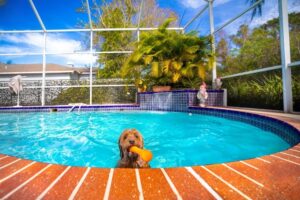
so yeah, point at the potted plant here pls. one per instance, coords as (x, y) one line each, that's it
(141, 85)
(160, 84)
(164, 57)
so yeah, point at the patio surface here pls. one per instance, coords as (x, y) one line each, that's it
(275, 176)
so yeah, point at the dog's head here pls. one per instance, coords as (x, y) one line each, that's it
(129, 138)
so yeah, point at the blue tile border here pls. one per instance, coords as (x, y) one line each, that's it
(65, 108)
(69, 106)
(283, 129)
(182, 91)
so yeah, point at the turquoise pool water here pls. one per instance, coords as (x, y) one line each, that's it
(90, 138)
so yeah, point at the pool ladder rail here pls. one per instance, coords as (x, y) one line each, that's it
(74, 106)
(79, 107)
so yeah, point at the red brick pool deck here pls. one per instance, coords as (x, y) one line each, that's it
(275, 176)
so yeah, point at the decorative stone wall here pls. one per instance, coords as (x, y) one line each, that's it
(32, 92)
(178, 100)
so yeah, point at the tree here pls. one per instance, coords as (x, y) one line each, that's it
(258, 8)
(120, 14)
(242, 35)
(222, 50)
(260, 47)
(167, 57)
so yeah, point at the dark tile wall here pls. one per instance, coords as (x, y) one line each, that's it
(215, 98)
(177, 100)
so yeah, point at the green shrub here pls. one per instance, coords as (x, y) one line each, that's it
(101, 95)
(261, 91)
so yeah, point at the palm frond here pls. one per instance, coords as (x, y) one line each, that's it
(201, 72)
(155, 72)
(257, 9)
(176, 76)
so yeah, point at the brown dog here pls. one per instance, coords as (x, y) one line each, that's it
(129, 138)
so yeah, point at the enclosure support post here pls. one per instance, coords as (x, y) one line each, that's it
(225, 97)
(44, 70)
(285, 56)
(44, 50)
(91, 68)
(213, 48)
(196, 17)
(139, 20)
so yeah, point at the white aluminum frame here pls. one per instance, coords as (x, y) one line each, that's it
(213, 46)
(88, 30)
(196, 16)
(253, 72)
(238, 16)
(294, 64)
(63, 53)
(139, 20)
(285, 56)
(284, 48)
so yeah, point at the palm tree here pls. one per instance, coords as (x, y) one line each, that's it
(257, 9)
(166, 56)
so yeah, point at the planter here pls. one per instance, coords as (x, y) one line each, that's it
(161, 88)
(141, 90)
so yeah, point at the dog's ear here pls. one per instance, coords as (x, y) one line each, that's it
(120, 148)
(142, 140)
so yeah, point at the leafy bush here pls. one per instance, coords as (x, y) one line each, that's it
(165, 57)
(102, 95)
(261, 91)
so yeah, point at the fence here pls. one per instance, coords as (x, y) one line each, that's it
(63, 92)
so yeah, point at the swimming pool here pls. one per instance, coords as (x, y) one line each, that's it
(175, 138)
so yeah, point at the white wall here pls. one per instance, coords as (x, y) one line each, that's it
(86, 76)
(52, 76)
(37, 77)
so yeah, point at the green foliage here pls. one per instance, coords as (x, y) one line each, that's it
(100, 95)
(121, 14)
(257, 48)
(166, 57)
(296, 88)
(191, 83)
(258, 8)
(72, 95)
(261, 91)
(115, 14)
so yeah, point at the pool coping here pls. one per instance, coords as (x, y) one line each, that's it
(274, 176)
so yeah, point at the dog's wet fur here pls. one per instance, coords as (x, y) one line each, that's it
(129, 138)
